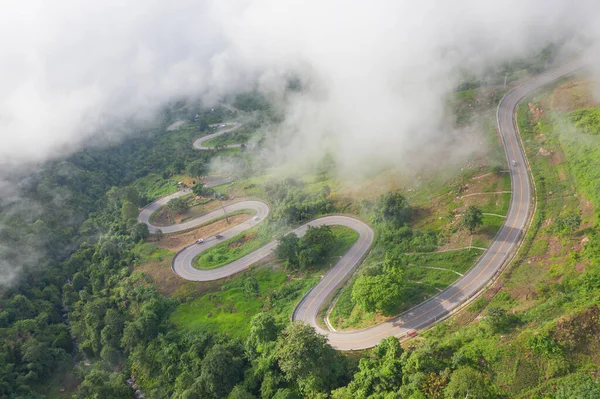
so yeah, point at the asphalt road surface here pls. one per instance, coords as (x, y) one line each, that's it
(148, 210)
(491, 262)
(230, 127)
(423, 315)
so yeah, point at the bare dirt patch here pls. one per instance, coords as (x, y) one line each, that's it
(163, 218)
(536, 112)
(587, 213)
(162, 276)
(373, 187)
(170, 284)
(554, 246)
(580, 266)
(174, 242)
(575, 94)
(243, 240)
(544, 152)
(557, 158)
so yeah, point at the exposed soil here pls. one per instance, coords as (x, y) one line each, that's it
(554, 246)
(580, 266)
(537, 112)
(243, 240)
(575, 94)
(175, 242)
(373, 187)
(168, 283)
(557, 158)
(162, 217)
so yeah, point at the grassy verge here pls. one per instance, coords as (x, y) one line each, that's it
(197, 207)
(233, 249)
(427, 275)
(147, 251)
(238, 136)
(153, 186)
(547, 290)
(230, 309)
(251, 240)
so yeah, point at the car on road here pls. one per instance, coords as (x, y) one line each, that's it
(514, 163)
(199, 241)
(256, 218)
(219, 236)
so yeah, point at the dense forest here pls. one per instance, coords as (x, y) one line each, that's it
(79, 307)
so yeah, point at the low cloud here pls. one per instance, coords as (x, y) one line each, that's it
(376, 76)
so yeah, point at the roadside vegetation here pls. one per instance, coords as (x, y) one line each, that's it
(233, 249)
(269, 288)
(102, 305)
(241, 135)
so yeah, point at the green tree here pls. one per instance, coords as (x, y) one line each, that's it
(222, 369)
(197, 168)
(577, 386)
(99, 384)
(471, 218)
(286, 393)
(319, 238)
(239, 392)
(128, 211)
(543, 344)
(177, 205)
(139, 231)
(393, 208)
(433, 385)
(117, 195)
(379, 373)
(382, 291)
(468, 383)
(373, 293)
(177, 166)
(287, 249)
(305, 358)
(263, 331)
(200, 190)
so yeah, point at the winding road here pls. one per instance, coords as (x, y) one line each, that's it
(423, 315)
(230, 127)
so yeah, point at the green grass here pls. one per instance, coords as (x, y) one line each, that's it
(497, 204)
(459, 261)
(230, 309)
(146, 251)
(422, 283)
(237, 136)
(232, 249)
(588, 120)
(251, 240)
(153, 186)
(552, 285)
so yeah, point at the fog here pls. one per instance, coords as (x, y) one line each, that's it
(376, 76)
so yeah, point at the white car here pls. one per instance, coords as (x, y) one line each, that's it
(256, 218)
(514, 163)
(200, 241)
